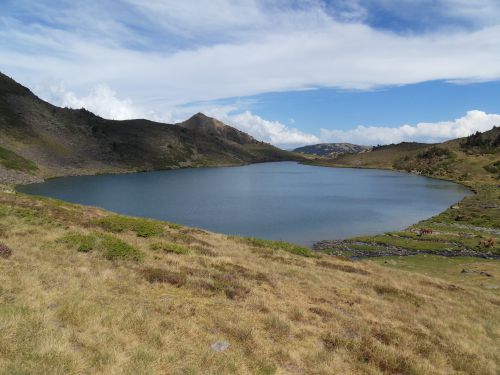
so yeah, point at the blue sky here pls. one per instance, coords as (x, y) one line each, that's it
(288, 72)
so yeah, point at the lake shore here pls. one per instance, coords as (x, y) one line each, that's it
(468, 227)
(318, 202)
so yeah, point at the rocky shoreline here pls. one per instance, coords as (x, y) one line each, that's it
(12, 177)
(345, 248)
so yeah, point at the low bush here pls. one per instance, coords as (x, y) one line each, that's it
(169, 247)
(110, 246)
(435, 152)
(82, 242)
(160, 275)
(5, 251)
(493, 167)
(278, 245)
(142, 227)
(114, 248)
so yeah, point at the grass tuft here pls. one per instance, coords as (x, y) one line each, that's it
(169, 247)
(142, 227)
(277, 245)
(110, 246)
(82, 242)
(277, 327)
(160, 275)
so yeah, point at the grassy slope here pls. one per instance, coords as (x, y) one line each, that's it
(39, 140)
(13, 161)
(85, 291)
(457, 230)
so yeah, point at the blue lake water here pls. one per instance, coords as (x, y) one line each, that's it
(282, 201)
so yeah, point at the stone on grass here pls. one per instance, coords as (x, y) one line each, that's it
(220, 346)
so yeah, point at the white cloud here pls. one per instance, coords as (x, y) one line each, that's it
(160, 55)
(428, 132)
(238, 51)
(103, 101)
(268, 131)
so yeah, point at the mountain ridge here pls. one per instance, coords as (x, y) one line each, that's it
(332, 149)
(64, 141)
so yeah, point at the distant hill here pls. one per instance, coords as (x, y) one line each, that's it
(449, 159)
(332, 149)
(39, 140)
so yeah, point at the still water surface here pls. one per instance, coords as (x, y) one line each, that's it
(282, 201)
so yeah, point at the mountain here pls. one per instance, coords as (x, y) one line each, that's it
(39, 140)
(332, 149)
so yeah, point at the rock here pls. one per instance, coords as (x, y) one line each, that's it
(485, 274)
(455, 207)
(220, 346)
(465, 270)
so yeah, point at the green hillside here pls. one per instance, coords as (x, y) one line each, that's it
(39, 140)
(471, 227)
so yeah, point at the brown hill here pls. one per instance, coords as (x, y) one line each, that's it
(39, 140)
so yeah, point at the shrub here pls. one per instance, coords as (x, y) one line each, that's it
(169, 247)
(493, 167)
(114, 248)
(278, 245)
(82, 242)
(5, 251)
(142, 227)
(435, 152)
(110, 246)
(487, 142)
(160, 275)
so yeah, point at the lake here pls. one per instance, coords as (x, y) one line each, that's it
(282, 201)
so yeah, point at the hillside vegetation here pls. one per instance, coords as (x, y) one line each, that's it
(39, 140)
(86, 291)
(471, 227)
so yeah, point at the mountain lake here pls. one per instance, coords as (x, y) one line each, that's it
(281, 201)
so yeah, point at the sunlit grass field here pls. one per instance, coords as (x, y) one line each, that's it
(87, 291)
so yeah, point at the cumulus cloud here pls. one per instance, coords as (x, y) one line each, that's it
(268, 131)
(427, 132)
(103, 101)
(160, 55)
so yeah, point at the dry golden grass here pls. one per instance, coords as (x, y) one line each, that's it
(65, 311)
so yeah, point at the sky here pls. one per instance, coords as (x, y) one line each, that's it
(290, 72)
